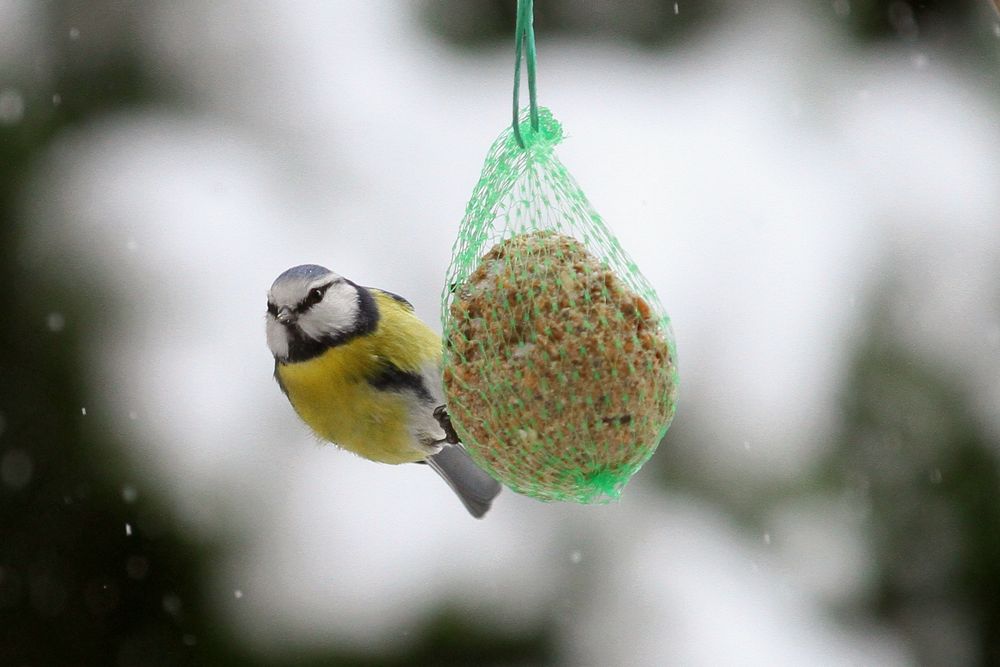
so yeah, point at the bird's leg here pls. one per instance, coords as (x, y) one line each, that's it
(444, 419)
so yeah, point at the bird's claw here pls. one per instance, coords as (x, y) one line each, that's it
(444, 419)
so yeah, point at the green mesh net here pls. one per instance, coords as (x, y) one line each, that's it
(559, 364)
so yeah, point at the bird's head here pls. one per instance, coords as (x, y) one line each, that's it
(311, 308)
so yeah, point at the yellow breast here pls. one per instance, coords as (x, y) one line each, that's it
(332, 394)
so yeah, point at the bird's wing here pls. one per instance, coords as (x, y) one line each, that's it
(408, 354)
(393, 296)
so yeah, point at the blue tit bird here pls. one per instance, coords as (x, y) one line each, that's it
(364, 372)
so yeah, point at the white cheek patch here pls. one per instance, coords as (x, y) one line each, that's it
(277, 338)
(337, 313)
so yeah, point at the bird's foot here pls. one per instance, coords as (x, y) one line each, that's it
(444, 419)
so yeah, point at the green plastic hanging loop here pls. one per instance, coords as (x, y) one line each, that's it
(524, 39)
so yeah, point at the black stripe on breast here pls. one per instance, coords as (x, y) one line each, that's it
(392, 378)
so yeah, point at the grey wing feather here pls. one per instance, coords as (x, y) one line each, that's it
(474, 487)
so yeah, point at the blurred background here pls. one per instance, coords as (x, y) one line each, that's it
(812, 187)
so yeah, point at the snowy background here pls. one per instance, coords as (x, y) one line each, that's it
(772, 179)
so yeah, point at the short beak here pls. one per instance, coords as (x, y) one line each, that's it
(285, 315)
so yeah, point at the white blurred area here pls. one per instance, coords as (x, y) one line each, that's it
(763, 177)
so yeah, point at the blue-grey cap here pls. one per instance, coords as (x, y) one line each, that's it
(303, 272)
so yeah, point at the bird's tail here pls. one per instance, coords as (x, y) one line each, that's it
(475, 488)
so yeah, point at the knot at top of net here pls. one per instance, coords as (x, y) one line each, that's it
(541, 139)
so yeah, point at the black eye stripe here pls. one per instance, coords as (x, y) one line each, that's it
(315, 296)
(271, 308)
